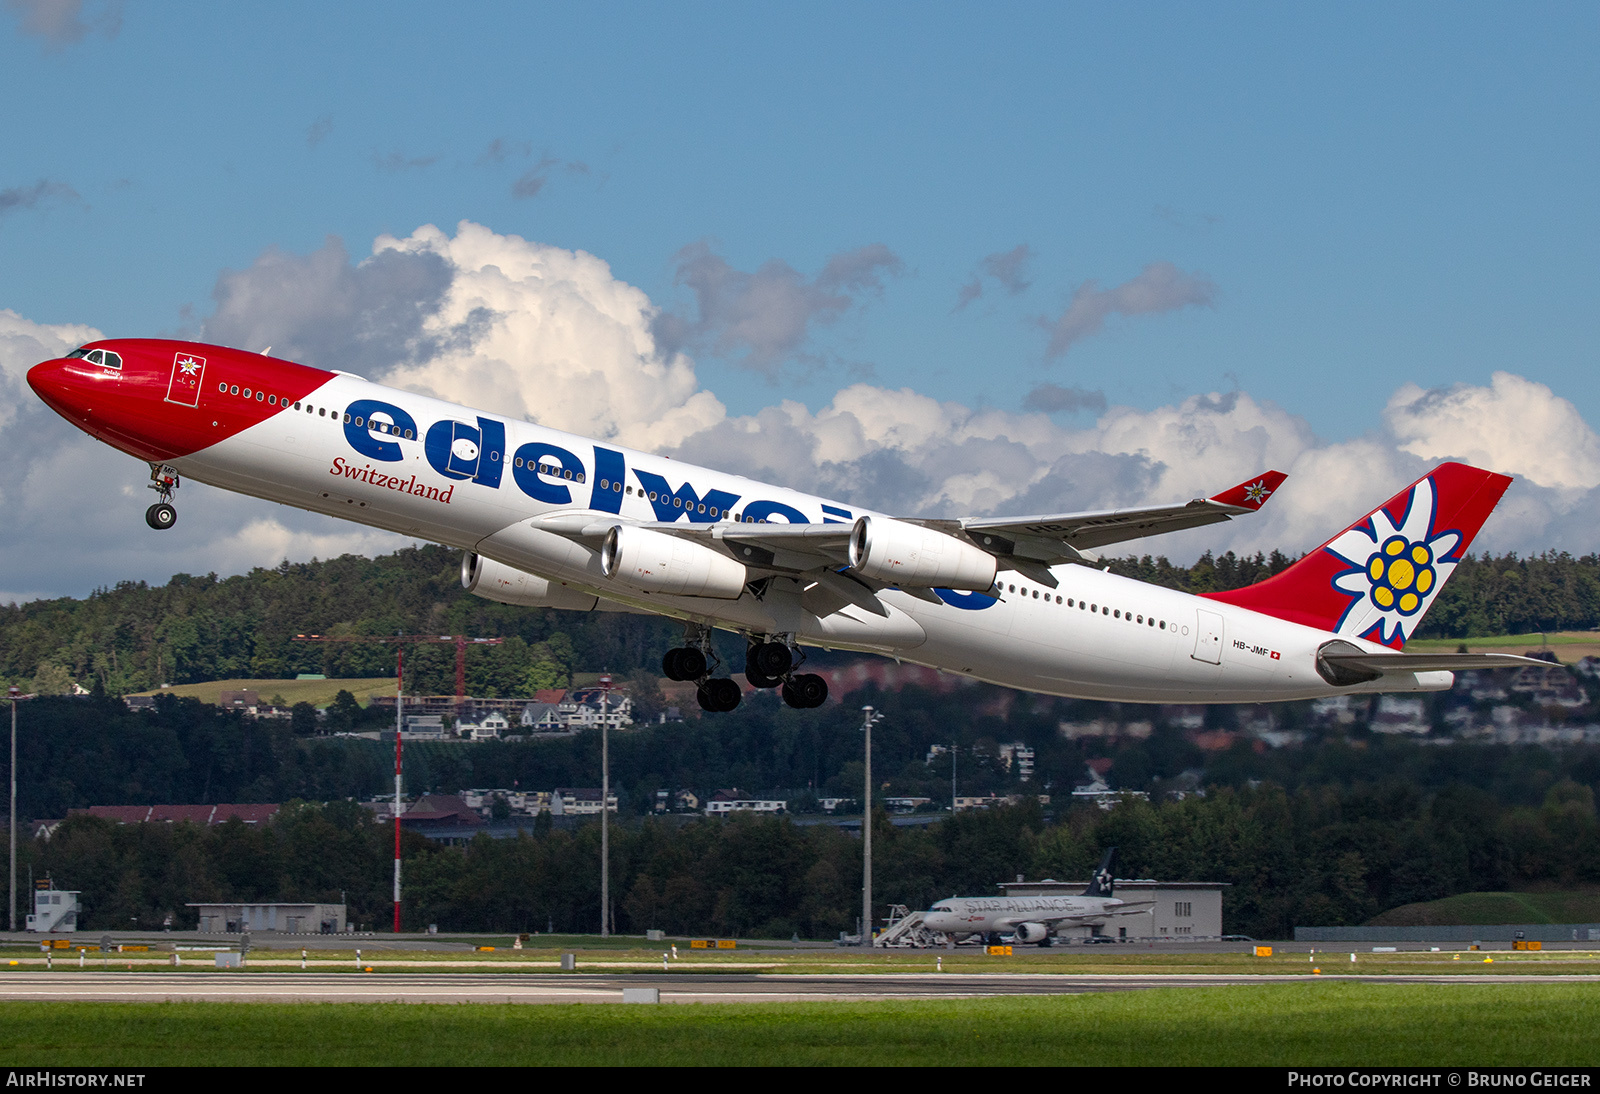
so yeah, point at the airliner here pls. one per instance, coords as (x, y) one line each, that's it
(553, 520)
(1033, 920)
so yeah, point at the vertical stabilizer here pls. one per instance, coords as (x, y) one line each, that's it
(1378, 578)
(1103, 882)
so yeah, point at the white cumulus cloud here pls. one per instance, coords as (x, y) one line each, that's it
(1515, 425)
(534, 331)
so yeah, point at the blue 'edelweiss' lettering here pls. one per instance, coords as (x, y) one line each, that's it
(558, 464)
(670, 505)
(459, 451)
(766, 510)
(359, 426)
(609, 471)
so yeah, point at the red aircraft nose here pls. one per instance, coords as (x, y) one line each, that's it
(52, 381)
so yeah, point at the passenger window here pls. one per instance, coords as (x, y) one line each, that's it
(223, 388)
(234, 390)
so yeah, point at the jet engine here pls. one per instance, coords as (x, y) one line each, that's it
(508, 585)
(658, 563)
(1030, 933)
(898, 553)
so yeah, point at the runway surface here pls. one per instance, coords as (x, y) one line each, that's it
(316, 987)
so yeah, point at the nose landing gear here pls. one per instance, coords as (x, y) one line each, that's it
(163, 480)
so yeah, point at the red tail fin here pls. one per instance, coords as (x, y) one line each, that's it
(1378, 578)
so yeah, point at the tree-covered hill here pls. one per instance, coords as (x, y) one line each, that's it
(136, 636)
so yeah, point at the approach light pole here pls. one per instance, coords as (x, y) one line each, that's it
(14, 693)
(868, 718)
(399, 726)
(605, 798)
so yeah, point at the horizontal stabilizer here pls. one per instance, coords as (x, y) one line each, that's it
(1342, 664)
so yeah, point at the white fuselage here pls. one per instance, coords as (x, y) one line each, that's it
(1095, 635)
(961, 916)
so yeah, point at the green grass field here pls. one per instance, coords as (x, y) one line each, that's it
(318, 693)
(1568, 646)
(1313, 1024)
(1467, 909)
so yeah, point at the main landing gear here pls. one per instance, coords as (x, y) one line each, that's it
(771, 664)
(163, 480)
(696, 660)
(767, 664)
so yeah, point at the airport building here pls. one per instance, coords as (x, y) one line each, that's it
(282, 916)
(1182, 911)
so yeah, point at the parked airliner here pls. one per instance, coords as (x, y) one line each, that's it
(1033, 920)
(549, 519)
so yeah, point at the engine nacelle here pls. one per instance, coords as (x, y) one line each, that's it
(508, 585)
(658, 563)
(1030, 933)
(898, 553)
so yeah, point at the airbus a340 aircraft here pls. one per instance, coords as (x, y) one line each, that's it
(548, 519)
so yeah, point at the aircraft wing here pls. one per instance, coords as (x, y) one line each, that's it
(1066, 537)
(1027, 544)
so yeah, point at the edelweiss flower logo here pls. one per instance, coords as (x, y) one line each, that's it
(1396, 569)
(1257, 492)
(189, 366)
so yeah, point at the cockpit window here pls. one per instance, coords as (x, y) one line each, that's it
(77, 353)
(101, 357)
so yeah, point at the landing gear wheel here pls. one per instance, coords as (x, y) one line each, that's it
(754, 678)
(805, 691)
(770, 659)
(161, 516)
(683, 663)
(719, 696)
(691, 662)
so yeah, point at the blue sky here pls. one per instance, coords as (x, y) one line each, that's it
(1309, 205)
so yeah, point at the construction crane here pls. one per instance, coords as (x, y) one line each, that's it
(460, 641)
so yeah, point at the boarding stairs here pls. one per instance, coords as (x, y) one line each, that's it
(905, 931)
